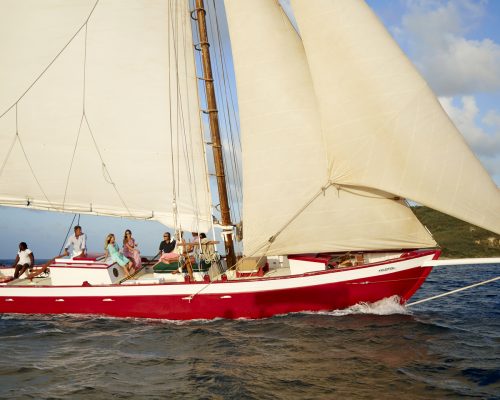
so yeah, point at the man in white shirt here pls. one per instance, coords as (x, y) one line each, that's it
(24, 260)
(77, 242)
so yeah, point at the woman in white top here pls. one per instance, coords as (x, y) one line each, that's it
(24, 260)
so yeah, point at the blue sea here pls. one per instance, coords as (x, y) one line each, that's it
(447, 348)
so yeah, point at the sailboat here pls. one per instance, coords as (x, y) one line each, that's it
(100, 114)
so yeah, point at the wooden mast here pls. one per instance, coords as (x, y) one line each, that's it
(214, 131)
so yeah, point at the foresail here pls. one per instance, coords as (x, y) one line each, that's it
(112, 126)
(289, 204)
(383, 126)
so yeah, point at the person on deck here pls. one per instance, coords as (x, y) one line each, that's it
(111, 249)
(183, 249)
(77, 242)
(130, 249)
(207, 253)
(24, 260)
(167, 247)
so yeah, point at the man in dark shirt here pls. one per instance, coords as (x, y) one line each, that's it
(167, 246)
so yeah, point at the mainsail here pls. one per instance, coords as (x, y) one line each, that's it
(112, 126)
(290, 204)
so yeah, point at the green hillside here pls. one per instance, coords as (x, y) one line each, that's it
(458, 238)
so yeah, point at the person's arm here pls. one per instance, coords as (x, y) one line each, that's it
(84, 244)
(66, 247)
(16, 261)
(32, 259)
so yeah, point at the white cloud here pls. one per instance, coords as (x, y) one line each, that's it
(492, 118)
(452, 64)
(466, 117)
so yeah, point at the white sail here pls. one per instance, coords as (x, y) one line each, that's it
(285, 165)
(138, 147)
(383, 126)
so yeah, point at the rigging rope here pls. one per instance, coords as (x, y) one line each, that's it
(453, 291)
(232, 164)
(67, 233)
(270, 240)
(84, 116)
(53, 60)
(28, 162)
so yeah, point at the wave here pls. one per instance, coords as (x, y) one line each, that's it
(388, 306)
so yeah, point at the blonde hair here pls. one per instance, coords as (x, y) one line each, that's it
(106, 241)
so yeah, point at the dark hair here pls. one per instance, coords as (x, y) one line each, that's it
(77, 227)
(202, 236)
(23, 245)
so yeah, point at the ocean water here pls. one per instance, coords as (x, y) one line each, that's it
(448, 348)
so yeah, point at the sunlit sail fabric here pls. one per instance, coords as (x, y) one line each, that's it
(383, 126)
(285, 164)
(137, 151)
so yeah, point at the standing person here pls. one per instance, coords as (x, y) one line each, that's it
(111, 249)
(24, 260)
(130, 250)
(77, 242)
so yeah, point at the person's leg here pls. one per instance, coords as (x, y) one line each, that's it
(16, 272)
(128, 268)
(20, 269)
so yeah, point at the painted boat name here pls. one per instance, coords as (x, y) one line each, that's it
(386, 269)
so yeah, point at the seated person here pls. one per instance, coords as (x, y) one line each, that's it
(130, 249)
(111, 249)
(77, 242)
(24, 260)
(167, 247)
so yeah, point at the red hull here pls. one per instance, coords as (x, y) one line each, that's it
(221, 303)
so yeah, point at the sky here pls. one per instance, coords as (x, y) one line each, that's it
(455, 45)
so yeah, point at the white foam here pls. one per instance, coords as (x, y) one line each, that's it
(387, 306)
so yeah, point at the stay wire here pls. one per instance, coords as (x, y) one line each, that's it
(67, 233)
(204, 105)
(453, 291)
(229, 99)
(230, 165)
(172, 156)
(267, 245)
(187, 136)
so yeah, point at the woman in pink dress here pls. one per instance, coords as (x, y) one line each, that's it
(130, 249)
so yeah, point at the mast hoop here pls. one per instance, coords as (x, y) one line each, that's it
(198, 45)
(192, 13)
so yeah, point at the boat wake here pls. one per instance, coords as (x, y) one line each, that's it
(388, 306)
